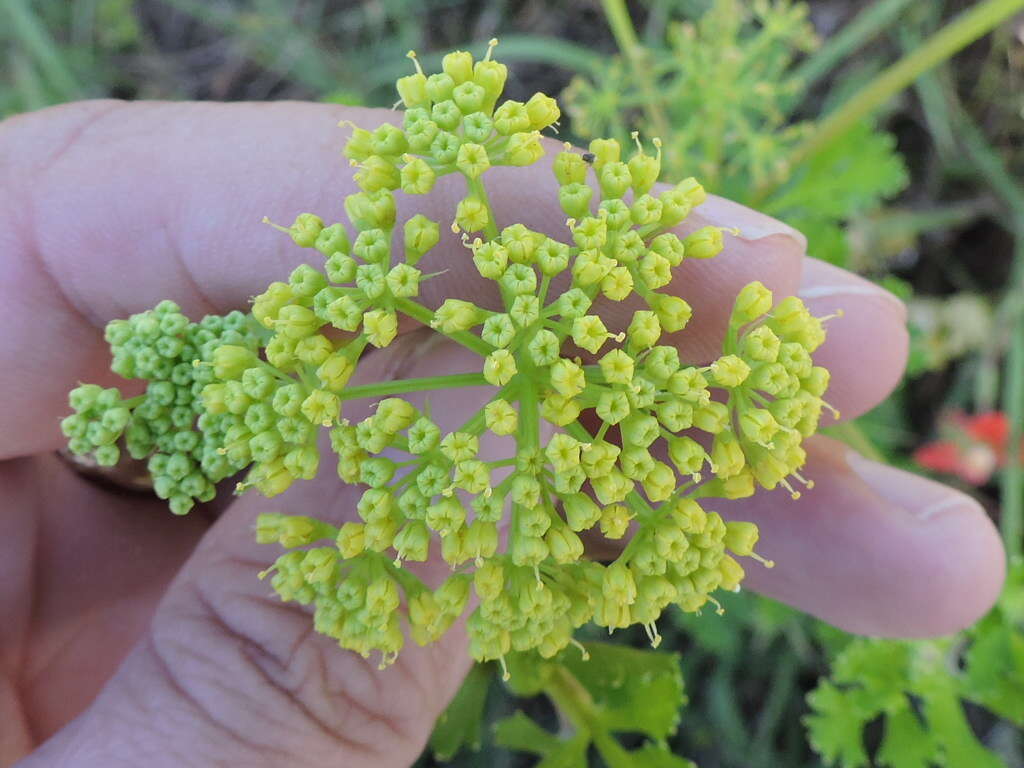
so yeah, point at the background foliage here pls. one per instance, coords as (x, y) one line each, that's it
(922, 195)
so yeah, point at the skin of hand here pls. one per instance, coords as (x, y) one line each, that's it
(131, 637)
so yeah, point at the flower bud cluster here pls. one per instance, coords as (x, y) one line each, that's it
(168, 424)
(640, 437)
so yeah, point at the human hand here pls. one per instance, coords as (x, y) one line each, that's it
(133, 637)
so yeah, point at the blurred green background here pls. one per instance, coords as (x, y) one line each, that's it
(921, 192)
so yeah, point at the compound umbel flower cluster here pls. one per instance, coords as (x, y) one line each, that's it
(639, 436)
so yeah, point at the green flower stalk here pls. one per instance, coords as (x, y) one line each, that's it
(665, 437)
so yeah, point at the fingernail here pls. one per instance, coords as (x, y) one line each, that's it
(829, 284)
(751, 224)
(920, 497)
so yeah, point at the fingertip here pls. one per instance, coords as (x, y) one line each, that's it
(957, 552)
(867, 341)
(875, 550)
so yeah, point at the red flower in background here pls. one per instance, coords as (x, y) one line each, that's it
(972, 447)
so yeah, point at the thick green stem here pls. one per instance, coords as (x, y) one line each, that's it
(422, 314)
(399, 386)
(963, 30)
(528, 437)
(872, 20)
(617, 14)
(478, 190)
(1011, 193)
(576, 703)
(1011, 521)
(29, 30)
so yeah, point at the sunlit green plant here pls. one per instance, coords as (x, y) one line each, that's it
(725, 93)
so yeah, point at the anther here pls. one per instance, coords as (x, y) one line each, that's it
(584, 653)
(504, 669)
(416, 62)
(762, 561)
(278, 227)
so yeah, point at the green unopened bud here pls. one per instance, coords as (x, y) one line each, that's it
(552, 257)
(729, 371)
(490, 259)
(543, 347)
(692, 190)
(615, 521)
(332, 239)
(589, 333)
(388, 140)
(417, 177)
(564, 545)
(712, 417)
(359, 145)
(618, 285)
(469, 97)
(758, 425)
(472, 215)
(543, 111)
(644, 330)
(705, 243)
(477, 127)
(816, 382)
(423, 436)
(727, 454)
(500, 417)
(670, 247)
(523, 149)
(381, 327)
(458, 65)
(741, 537)
(574, 198)
(403, 280)
(615, 179)
(605, 151)
(377, 173)
(321, 407)
(567, 378)
(645, 210)
(412, 89)
(525, 309)
(371, 210)
(498, 330)
(490, 76)
(489, 580)
(761, 345)
(570, 168)
(644, 169)
(618, 585)
(455, 315)
(413, 541)
(421, 234)
(617, 367)
(581, 512)
(472, 160)
(521, 243)
(655, 271)
(753, 301)
(230, 361)
(499, 367)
